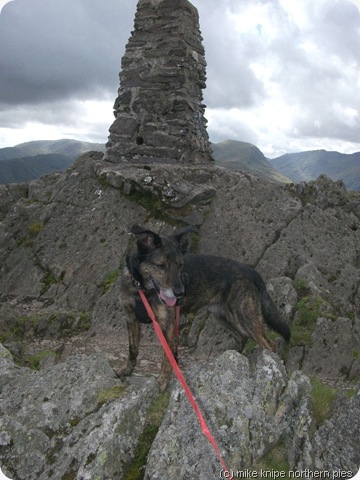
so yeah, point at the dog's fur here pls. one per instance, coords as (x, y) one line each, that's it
(160, 266)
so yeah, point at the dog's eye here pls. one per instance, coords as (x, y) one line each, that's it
(161, 265)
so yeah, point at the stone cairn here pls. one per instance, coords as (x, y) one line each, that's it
(159, 110)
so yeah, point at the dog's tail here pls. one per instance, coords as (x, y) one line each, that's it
(272, 317)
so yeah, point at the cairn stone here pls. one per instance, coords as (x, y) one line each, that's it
(159, 110)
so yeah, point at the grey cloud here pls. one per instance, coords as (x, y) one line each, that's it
(326, 125)
(338, 29)
(231, 82)
(51, 50)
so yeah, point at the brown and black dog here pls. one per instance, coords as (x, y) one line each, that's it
(160, 266)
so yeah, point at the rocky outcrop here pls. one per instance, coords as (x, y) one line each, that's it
(252, 407)
(159, 111)
(74, 420)
(62, 240)
(84, 423)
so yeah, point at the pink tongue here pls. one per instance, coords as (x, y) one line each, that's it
(170, 302)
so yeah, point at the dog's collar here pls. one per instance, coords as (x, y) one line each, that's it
(135, 282)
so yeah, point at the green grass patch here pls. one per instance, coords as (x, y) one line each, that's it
(274, 461)
(48, 281)
(111, 394)
(35, 228)
(302, 287)
(308, 310)
(155, 415)
(112, 277)
(61, 324)
(34, 361)
(322, 398)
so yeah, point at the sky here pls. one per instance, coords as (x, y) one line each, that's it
(281, 74)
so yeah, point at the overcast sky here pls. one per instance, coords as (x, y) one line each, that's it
(282, 74)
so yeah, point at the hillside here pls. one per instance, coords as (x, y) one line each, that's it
(70, 148)
(24, 169)
(245, 157)
(305, 166)
(30, 160)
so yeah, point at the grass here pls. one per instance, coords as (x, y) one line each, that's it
(308, 310)
(35, 228)
(110, 394)
(112, 277)
(34, 361)
(47, 281)
(155, 415)
(274, 461)
(39, 326)
(301, 286)
(322, 398)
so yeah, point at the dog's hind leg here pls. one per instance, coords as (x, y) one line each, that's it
(247, 318)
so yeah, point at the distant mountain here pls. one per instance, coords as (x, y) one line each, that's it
(18, 170)
(245, 157)
(309, 165)
(30, 160)
(70, 148)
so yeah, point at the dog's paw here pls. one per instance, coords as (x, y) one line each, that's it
(163, 381)
(124, 370)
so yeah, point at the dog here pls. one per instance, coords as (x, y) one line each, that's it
(169, 276)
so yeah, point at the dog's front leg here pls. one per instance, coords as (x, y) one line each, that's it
(134, 331)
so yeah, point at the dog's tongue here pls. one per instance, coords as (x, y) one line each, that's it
(170, 302)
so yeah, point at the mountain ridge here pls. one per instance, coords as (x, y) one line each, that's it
(30, 160)
(16, 161)
(308, 165)
(69, 147)
(246, 157)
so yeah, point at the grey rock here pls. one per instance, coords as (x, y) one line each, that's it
(337, 440)
(283, 293)
(335, 346)
(246, 218)
(9, 195)
(174, 187)
(249, 409)
(210, 337)
(313, 278)
(56, 396)
(103, 444)
(61, 411)
(325, 240)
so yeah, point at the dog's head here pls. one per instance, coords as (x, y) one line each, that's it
(158, 262)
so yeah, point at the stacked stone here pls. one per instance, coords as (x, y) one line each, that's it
(159, 110)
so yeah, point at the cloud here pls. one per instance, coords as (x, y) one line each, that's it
(304, 56)
(53, 50)
(283, 75)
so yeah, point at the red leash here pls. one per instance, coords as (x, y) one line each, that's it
(182, 380)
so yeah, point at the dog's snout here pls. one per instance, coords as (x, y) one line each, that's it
(179, 292)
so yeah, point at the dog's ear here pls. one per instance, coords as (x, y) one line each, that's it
(182, 237)
(146, 239)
